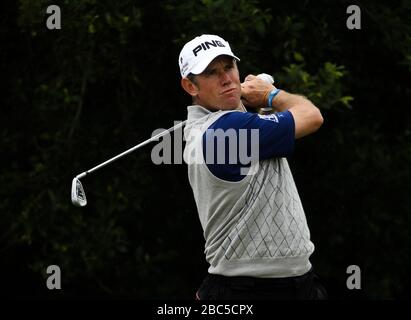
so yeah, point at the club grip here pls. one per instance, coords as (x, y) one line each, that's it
(270, 79)
(266, 77)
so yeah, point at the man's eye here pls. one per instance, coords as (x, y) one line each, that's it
(210, 72)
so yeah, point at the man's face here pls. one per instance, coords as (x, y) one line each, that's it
(219, 86)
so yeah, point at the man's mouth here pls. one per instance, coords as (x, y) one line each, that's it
(228, 91)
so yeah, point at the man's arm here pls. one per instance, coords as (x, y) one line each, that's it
(307, 117)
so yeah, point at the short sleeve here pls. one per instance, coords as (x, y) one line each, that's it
(274, 135)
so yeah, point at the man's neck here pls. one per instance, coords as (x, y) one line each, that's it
(239, 108)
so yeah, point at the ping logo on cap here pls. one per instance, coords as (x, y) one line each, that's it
(206, 45)
(197, 54)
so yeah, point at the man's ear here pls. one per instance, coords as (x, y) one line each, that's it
(190, 87)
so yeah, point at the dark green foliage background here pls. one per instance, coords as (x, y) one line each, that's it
(74, 97)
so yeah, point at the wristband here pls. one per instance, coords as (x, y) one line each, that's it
(271, 96)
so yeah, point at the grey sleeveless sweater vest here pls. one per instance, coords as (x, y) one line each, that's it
(255, 227)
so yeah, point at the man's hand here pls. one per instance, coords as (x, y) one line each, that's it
(307, 117)
(255, 91)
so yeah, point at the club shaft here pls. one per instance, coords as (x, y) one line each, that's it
(157, 136)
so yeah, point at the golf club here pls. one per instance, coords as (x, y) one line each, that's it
(267, 78)
(78, 196)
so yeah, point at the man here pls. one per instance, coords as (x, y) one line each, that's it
(257, 241)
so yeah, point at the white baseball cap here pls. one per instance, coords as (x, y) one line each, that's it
(197, 54)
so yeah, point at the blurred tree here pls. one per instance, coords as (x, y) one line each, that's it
(77, 96)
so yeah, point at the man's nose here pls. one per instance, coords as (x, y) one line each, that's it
(225, 78)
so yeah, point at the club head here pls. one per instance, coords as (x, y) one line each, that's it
(78, 196)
